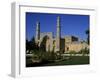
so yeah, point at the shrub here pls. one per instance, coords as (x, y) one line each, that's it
(72, 52)
(84, 51)
(44, 56)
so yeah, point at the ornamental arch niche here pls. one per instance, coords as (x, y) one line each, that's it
(45, 43)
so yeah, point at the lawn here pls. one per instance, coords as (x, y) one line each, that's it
(73, 60)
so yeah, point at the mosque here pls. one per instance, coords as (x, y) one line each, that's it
(65, 44)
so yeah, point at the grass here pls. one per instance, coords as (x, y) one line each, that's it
(73, 60)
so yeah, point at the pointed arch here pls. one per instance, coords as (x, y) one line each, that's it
(43, 44)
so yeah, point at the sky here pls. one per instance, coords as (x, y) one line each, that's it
(71, 24)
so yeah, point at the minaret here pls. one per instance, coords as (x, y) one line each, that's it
(58, 34)
(37, 32)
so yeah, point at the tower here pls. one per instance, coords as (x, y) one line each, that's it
(37, 32)
(58, 34)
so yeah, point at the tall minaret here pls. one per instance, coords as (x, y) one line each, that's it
(37, 32)
(58, 34)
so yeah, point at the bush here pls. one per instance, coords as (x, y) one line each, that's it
(72, 52)
(44, 56)
(84, 51)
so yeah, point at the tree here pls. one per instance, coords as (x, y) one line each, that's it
(31, 45)
(87, 33)
(27, 46)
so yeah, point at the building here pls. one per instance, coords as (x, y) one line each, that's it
(66, 44)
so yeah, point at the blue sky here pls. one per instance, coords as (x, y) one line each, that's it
(70, 24)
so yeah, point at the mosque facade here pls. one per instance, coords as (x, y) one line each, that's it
(48, 42)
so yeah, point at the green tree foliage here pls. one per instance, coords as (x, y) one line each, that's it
(28, 46)
(87, 33)
(84, 51)
(44, 56)
(31, 45)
